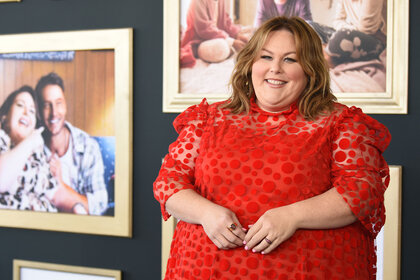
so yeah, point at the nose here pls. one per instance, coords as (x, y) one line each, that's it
(276, 66)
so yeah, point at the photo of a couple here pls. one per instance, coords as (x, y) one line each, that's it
(48, 162)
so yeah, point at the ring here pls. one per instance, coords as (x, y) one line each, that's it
(268, 240)
(232, 226)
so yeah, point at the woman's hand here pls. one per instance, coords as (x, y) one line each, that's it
(223, 228)
(273, 228)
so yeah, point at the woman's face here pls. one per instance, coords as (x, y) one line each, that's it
(21, 119)
(277, 77)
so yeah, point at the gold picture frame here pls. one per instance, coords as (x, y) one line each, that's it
(119, 42)
(392, 101)
(31, 270)
(390, 235)
(2, 1)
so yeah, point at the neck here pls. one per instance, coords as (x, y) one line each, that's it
(59, 143)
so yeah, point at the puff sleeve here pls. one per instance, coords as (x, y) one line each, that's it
(177, 171)
(359, 172)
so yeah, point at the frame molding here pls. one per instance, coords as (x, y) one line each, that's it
(121, 41)
(393, 101)
(19, 264)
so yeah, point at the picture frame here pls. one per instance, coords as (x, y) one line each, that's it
(393, 100)
(2, 1)
(31, 270)
(119, 43)
(388, 240)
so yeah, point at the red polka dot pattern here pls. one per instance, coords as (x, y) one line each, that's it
(254, 162)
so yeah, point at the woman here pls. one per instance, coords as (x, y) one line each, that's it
(25, 179)
(287, 182)
(267, 9)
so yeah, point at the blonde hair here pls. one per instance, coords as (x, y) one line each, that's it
(315, 98)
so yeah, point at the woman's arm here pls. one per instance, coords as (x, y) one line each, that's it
(13, 161)
(324, 211)
(189, 206)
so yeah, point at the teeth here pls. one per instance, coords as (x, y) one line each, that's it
(275, 82)
(23, 121)
(54, 121)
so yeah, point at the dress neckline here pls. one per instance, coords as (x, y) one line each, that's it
(256, 108)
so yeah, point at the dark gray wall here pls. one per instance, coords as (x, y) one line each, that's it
(139, 257)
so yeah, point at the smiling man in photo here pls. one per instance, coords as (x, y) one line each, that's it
(75, 157)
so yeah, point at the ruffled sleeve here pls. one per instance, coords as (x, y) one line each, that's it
(177, 171)
(359, 172)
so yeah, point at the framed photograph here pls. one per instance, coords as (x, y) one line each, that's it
(193, 69)
(92, 71)
(1, 1)
(30, 270)
(388, 241)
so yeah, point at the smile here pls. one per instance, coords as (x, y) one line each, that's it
(24, 122)
(275, 82)
(54, 121)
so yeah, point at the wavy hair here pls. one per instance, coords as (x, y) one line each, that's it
(316, 98)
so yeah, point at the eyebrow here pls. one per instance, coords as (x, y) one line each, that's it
(292, 52)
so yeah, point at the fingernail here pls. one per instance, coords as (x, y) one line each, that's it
(244, 242)
(262, 253)
(246, 248)
(244, 229)
(253, 251)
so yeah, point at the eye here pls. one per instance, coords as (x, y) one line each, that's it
(289, 59)
(32, 111)
(266, 57)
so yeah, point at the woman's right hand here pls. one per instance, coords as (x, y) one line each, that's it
(217, 223)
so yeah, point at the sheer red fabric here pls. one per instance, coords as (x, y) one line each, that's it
(253, 162)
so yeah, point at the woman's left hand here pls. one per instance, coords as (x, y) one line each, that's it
(273, 228)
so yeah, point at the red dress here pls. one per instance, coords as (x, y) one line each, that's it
(253, 162)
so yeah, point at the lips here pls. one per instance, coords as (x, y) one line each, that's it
(275, 82)
(54, 121)
(24, 122)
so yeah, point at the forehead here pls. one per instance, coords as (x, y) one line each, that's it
(280, 40)
(52, 92)
(25, 97)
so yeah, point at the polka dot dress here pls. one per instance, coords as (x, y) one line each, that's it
(254, 162)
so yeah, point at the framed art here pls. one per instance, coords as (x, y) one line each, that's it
(388, 241)
(1, 1)
(377, 85)
(30, 270)
(95, 67)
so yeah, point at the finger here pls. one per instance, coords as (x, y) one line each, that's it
(217, 243)
(238, 230)
(226, 244)
(253, 229)
(256, 238)
(264, 245)
(40, 129)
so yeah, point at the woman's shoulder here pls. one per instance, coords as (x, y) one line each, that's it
(198, 113)
(352, 118)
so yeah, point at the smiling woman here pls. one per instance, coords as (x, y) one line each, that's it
(286, 181)
(25, 179)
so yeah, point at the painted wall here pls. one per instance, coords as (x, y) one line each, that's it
(139, 257)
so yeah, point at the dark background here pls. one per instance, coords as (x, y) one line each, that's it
(139, 257)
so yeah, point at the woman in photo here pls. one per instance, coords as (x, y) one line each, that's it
(26, 182)
(280, 181)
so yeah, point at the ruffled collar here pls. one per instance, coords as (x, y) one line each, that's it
(255, 108)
